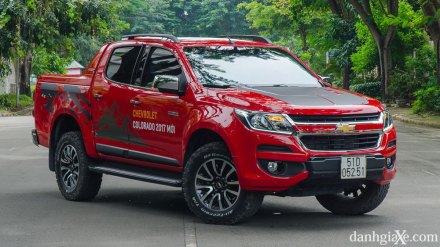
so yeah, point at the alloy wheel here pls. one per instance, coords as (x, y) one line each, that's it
(216, 184)
(69, 167)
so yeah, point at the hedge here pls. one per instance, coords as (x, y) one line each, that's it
(372, 89)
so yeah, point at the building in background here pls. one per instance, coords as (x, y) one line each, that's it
(74, 68)
(7, 85)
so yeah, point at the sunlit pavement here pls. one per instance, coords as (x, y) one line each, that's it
(131, 213)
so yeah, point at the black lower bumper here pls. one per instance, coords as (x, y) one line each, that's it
(325, 176)
(35, 137)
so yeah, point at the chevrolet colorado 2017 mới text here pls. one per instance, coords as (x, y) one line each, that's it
(229, 119)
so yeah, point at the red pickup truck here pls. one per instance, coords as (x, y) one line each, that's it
(229, 119)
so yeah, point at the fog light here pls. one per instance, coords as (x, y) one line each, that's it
(390, 162)
(272, 167)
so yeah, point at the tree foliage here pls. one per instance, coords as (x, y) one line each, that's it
(48, 61)
(50, 24)
(369, 38)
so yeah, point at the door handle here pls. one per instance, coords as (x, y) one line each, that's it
(98, 96)
(135, 102)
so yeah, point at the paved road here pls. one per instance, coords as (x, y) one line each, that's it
(131, 213)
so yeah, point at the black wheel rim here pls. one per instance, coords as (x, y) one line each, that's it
(355, 192)
(69, 167)
(216, 184)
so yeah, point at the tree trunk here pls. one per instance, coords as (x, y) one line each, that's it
(304, 41)
(334, 8)
(383, 42)
(437, 50)
(346, 71)
(388, 69)
(383, 81)
(305, 48)
(430, 9)
(25, 74)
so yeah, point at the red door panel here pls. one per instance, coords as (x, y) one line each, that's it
(159, 120)
(111, 99)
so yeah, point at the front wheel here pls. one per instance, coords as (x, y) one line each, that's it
(212, 190)
(355, 201)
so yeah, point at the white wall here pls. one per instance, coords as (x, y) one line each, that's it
(5, 83)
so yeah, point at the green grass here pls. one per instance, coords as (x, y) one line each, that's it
(33, 87)
(7, 101)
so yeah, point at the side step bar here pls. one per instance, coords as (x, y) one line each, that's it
(138, 173)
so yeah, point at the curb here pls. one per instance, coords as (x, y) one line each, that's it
(26, 111)
(6, 114)
(416, 122)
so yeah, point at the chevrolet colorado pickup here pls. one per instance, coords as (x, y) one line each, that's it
(229, 119)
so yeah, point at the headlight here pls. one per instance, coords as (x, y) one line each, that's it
(263, 121)
(387, 121)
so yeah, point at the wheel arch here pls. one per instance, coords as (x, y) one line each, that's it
(62, 124)
(199, 138)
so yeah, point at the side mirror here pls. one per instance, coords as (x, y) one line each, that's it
(170, 84)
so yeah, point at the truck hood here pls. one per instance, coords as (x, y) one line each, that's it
(297, 100)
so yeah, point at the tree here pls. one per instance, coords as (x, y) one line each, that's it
(85, 48)
(339, 35)
(285, 20)
(25, 25)
(409, 36)
(431, 9)
(207, 18)
(148, 16)
(48, 61)
(220, 17)
(383, 40)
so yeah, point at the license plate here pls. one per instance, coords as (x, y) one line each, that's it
(353, 167)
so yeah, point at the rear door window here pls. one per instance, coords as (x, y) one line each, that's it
(122, 62)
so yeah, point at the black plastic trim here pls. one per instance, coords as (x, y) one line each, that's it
(290, 168)
(35, 137)
(135, 155)
(392, 143)
(139, 173)
(324, 176)
(152, 158)
(274, 148)
(335, 118)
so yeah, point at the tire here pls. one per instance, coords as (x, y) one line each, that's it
(353, 203)
(219, 198)
(75, 181)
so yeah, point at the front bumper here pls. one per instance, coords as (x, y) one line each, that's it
(325, 178)
(311, 169)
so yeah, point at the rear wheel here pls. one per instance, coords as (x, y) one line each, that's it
(212, 190)
(355, 201)
(75, 181)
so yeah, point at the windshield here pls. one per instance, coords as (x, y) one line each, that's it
(252, 66)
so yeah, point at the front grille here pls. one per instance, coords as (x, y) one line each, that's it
(334, 118)
(340, 142)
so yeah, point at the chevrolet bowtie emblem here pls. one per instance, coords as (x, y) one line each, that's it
(344, 128)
